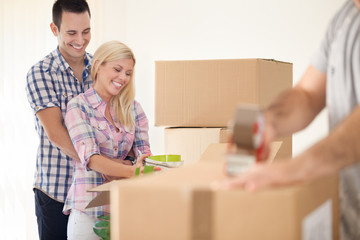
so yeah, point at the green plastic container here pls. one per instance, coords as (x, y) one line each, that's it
(165, 158)
(168, 161)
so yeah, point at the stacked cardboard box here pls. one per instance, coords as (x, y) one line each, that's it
(197, 99)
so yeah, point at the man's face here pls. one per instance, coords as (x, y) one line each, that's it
(357, 3)
(74, 35)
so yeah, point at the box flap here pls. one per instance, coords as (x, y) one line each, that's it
(216, 152)
(103, 198)
(275, 147)
(102, 188)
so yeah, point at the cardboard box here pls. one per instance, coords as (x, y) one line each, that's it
(205, 93)
(180, 204)
(190, 143)
(285, 152)
(216, 152)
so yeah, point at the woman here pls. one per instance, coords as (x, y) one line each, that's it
(104, 124)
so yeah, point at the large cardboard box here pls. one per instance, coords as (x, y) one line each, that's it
(181, 204)
(191, 143)
(205, 93)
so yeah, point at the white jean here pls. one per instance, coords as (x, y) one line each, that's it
(80, 226)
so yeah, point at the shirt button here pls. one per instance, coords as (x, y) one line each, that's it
(332, 71)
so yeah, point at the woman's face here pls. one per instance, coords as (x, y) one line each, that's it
(112, 77)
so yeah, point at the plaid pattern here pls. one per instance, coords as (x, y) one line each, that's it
(52, 83)
(91, 133)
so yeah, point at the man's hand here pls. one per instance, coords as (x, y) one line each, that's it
(263, 175)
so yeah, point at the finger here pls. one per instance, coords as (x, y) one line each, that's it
(142, 158)
(250, 180)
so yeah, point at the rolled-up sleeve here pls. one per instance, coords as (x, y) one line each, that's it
(81, 132)
(40, 88)
(141, 141)
(319, 59)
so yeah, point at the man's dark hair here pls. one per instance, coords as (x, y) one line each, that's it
(74, 6)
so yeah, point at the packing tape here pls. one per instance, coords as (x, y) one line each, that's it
(247, 127)
(202, 214)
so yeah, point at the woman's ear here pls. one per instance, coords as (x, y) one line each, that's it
(95, 64)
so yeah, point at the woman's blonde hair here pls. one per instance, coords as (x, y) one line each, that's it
(123, 101)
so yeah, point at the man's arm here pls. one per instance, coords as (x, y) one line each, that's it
(295, 108)
(51, 120)
(335, 152)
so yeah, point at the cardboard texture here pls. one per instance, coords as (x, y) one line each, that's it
(205, 93)
(285, 152)
(216, 152)
(182, 205)
(190, 143)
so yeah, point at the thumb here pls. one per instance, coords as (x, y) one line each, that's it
(142, 158)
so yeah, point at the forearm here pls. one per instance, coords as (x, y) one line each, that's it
(60, 137)
(52, 121)
(335, 152)
(109, 167)
(289, 113)
(295, 108)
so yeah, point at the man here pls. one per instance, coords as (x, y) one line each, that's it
(332, 80)
(51, 83)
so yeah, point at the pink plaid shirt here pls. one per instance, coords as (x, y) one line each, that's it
(91, 133)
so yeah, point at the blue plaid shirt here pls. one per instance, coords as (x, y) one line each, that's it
(52, 83)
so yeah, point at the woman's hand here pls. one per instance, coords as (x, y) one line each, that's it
(140, 163)
(111, 178)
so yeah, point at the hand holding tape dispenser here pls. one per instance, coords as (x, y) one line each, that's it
(247, 138)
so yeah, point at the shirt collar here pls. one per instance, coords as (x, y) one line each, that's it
(63, 65)
(93, 98)
(97, 102)
(60, 60)
(87, 60)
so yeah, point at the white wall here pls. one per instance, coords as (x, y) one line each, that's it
(286, 30)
